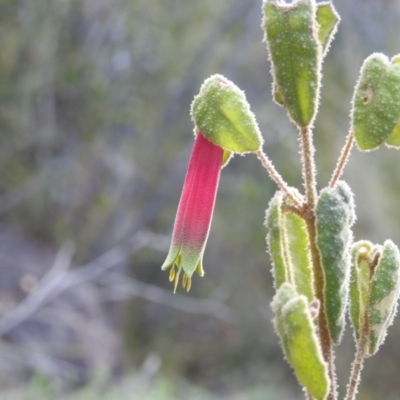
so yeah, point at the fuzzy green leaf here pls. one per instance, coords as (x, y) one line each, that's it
(362, 254)
(288, 246)
(221, 112)
(384, 295)
(394, 139)
(376, 103)
(299, 255)
(334, 218)
(328, 20)
(291, 34)
(275, 241)
(299, 340)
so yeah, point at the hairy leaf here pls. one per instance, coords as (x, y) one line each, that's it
(299, 340)
(334, 218)
(291, 34)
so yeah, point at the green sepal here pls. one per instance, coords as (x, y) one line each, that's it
(375, 115)
(362, 254)
(226, 157)
(221, 112)
(384, 294)
(288, 245)
(328, 20)
(291, 34)
(300, 344)
(334, 217)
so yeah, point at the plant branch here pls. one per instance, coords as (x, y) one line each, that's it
(61, 278)
(324, 335)
(358, 362)
(342, 161)
(51, 280)
(120, 287)
(276, 177)
(308, 162)
(310, 184)
(286, 208)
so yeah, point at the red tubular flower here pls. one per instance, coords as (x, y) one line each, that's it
(195, 210)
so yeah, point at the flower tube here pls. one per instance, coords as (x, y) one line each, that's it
(224, 125)
(195, 210)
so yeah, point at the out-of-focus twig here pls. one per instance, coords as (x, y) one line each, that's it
(123, 287)
(41, 292)
(60, 278)
(14, 354)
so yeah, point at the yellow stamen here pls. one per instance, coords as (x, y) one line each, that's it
(172, 274)
(177, 279)
(188, 284)
(184, 280)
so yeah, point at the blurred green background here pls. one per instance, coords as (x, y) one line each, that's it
(95, 136)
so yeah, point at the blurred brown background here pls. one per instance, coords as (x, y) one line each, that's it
(95, 136)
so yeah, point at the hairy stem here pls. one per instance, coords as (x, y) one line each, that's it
(324, 335)
(308, 163)
(276, 177)
(358, 362)
(301, 212)
(341, 163)
(309, 176)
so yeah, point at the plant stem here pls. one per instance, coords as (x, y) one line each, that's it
(301, 212)
(309, 176)
(308, 164)
(358, 362)
(276, 177)
(341, 163)
(324, 335)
